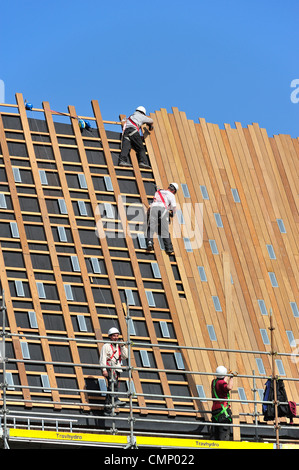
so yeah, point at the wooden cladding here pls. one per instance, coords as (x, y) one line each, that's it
(72, 253)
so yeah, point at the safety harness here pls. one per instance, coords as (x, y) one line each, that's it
(108, 361)
(224, 408)
(133, 132)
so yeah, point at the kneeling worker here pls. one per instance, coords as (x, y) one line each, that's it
(221, 412)
(131, 137)
(162, 207)
(112, 355)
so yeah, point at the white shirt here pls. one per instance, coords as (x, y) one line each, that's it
(168, 197)
(112, 354)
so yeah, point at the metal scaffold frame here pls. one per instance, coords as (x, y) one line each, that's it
(63, 421)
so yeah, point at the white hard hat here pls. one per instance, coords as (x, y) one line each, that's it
(221, 371)
(141, 109)
(112, 331)
(175, 185)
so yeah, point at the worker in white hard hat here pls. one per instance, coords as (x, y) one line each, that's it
(221, 412)
(161, 209)
(112, 354)
(131, 138)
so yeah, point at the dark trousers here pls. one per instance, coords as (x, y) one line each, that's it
(113, 375)
(132, 141)
(158, 222)
(222, 432)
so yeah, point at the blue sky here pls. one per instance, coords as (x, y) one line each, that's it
(225, 61)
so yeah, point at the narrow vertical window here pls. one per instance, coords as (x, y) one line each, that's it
(41, 290)
(43, 177)
(14, 230)
(82, 181)
(68, 292)
(62, 206)
(185, 190)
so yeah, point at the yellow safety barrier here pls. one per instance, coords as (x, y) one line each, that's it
(141, 441)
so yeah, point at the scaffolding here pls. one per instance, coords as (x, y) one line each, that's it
(47, 422)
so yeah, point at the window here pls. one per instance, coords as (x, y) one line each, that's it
(164, 329)
(82, 181)
(214, 247)
(62, 206)
(32, 319)
(180, 216)
(295, 309)
(95, 265)
(242, 395)
(202, 273)
(280, 367)
(82, 323)
(150, 298)
(262, 306)
(45, 382)
(273, 279)
(25, 350)
(82, 208)
(43, 177)
(235, 195)
(204, 192)
(218, 220)
(16, 174)
(216, 302)
(3, 204)
(271, 252)
(109, 209)
(14, 229)
(144, 358)
(108, 183)
(188, 244)
(185, 190)
(131, 327)
(291, 338)
(260, 366)
(212, 333)
(103, 386)
(130, 386)
(68, 292)
(281, 226)
(201, 392)
(19, 289)
(10, 382)
(41, 290)
(75, 263)
(179, 360)
(141, 240)
(156, 270)
(62, 234)
(129, 297)
(265, 336)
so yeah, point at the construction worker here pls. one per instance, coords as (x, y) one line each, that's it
(162, 207)
(221, 412)
(112, 354)
(131, 137)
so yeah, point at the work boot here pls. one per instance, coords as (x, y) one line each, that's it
(145, 165)
(124, 163)
(150, 246)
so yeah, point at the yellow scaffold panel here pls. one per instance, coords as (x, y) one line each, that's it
(67, 436)
(141, 441)
(199, 444)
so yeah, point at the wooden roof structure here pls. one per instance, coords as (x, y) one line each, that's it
(235, 258)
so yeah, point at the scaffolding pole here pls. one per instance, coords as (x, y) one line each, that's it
(130, 394)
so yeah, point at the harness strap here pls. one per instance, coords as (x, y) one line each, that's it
(108, 361)
(162, 198)
(224, 408)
